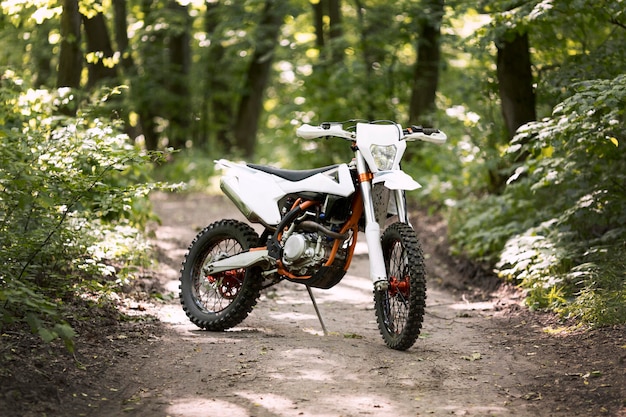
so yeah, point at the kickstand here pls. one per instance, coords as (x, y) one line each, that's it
(317, 311)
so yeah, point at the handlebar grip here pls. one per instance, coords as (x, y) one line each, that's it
(326, 129)
(426, 135)
(430, 131)
(424, 130)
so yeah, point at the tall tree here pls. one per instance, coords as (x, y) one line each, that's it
(120, 25)
(71, 57)
(218, 103)
(251, 104)
(42, 55)
(100, 51)
(327, 21)
(515, 80)
(318, 22)
(426, 73)
(335, 32)
(160, 89)
(179, 61)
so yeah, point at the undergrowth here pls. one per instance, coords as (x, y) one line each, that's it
(72, 205)
(558, 229)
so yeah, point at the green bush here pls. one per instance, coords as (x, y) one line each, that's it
(558, 228)
(72, 203)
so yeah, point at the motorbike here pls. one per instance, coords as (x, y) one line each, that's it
(310, 222)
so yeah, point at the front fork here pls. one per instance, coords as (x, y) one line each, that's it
(378, 273)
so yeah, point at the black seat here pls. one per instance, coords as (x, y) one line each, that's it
(290, 174)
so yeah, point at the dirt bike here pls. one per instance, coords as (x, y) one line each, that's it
(311, 220)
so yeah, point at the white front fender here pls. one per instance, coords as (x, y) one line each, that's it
(396, 180)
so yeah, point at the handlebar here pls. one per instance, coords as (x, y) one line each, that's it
(307, 131)
(425, 134)
(336, 129)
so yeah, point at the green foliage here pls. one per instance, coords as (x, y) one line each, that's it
(194, 168)
(558, 229)
(554, 227)
(72, 203)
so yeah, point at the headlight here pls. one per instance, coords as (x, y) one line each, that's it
(383, 156)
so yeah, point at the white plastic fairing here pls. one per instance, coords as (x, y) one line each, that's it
(437, 137)
(396, 180)
(379, 134)
(307, 131)
(256, 193)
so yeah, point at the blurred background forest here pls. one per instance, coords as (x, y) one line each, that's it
(532, 95)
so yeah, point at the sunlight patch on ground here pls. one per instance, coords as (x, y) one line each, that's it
(281, 406)
(308, 374)
(361, 404)
(173, 314)
(482, 306)
(477, 410)
(275, 403)
(202, 407)
(172, 286)
(315, 355)
(361, 245)
(351, 290)
(314, 332)
(293, 316)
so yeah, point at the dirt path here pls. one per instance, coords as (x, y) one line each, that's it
(474, 358)
(470, 361)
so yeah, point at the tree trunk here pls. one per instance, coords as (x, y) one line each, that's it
(334, 47)
(517, 96)
(149, 83)
(336, 31)
(71, 57)
(42, 55)
(251, 104)
(219, 109)
(318, 23)
(515, 81)
(99, 43)
(127, 66)
(426, 75)
(121, 33)
(367, 104)
(177, 81)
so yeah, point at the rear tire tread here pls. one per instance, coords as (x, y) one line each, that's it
(247, 297)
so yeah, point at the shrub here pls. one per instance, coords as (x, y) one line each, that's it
(67, 186)
(558, 228)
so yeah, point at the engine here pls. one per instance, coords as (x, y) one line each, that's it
(308, 243)
(304, 253)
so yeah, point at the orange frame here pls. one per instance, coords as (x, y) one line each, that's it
(351, 224)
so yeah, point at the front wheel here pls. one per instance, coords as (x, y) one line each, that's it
(224, 299)
(400, 308)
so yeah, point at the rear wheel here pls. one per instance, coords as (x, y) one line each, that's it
(221, 300)
(400, 308)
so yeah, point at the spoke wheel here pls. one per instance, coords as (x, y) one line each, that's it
(400, 308)
(224, 299)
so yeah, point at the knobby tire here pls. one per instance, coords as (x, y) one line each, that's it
(400, 308)
(223, 300)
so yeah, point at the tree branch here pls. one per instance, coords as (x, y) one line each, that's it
(616, 22)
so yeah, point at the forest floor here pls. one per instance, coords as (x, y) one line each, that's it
(481, 353)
